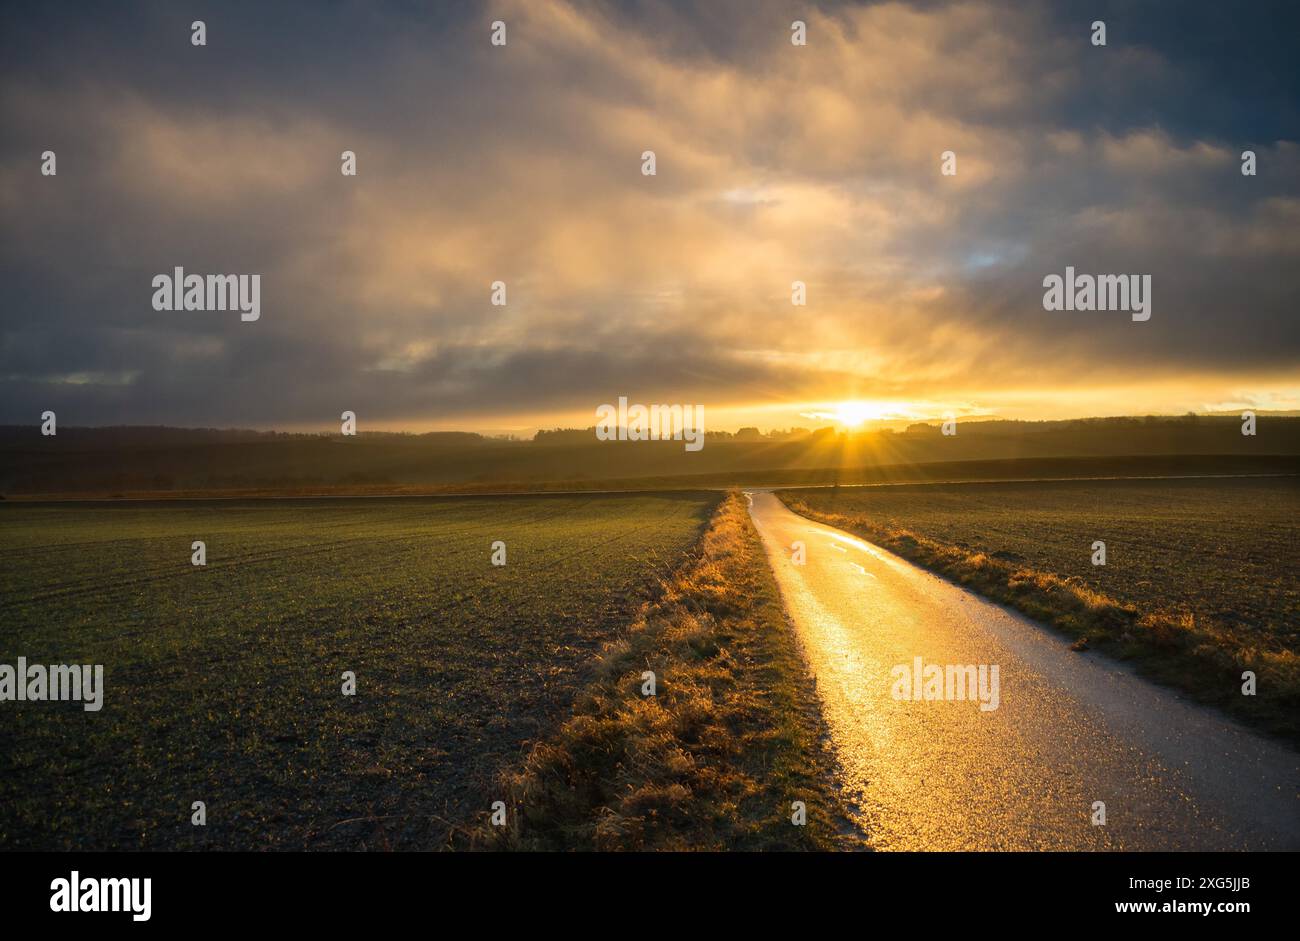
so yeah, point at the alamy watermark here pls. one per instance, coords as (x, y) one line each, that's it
(953, 682)
(651, 423)
(76, 894)
(57, 683)
(181, 291)
(1127, 292)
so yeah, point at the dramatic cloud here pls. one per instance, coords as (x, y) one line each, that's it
(522, 164)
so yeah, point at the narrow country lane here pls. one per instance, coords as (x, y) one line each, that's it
(1069, 729)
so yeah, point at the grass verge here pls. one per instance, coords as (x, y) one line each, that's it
(717, 757)
(1194, 654)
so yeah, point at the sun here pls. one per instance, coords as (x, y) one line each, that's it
(852, 414)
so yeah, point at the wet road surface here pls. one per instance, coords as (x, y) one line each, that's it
(1070, 729)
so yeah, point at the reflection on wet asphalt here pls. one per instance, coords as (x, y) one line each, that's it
(1069, 730)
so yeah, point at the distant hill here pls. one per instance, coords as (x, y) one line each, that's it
(1260, 413)
(128, 460)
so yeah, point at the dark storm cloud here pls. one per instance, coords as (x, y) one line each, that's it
(521, 164)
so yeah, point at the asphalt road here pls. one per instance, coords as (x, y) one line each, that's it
(1069, 729)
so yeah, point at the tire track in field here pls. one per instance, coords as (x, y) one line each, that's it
(112, 589)
(111, 586)
(475, 583)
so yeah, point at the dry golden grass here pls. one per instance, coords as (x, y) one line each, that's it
(715, 759)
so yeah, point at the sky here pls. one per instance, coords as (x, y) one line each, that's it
(523, 164)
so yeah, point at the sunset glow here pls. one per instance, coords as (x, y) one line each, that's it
(775, 165)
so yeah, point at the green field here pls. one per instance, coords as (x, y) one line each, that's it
(1201, 581)
(223, 683)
